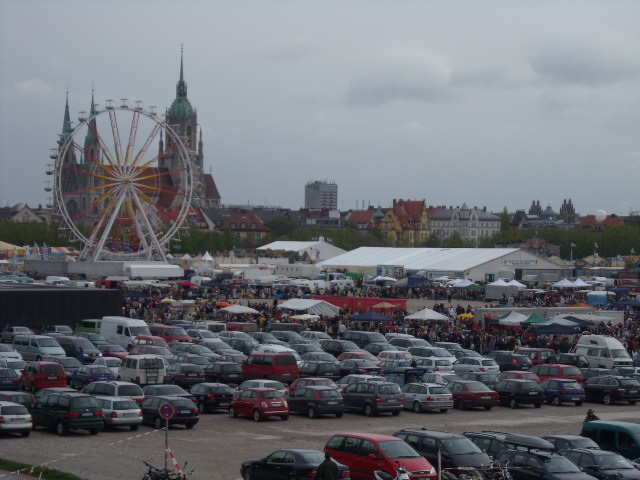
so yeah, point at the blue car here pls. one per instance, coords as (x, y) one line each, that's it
(562, 390)
(90, 373)
(9, 379)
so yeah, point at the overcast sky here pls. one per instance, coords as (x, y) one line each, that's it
(492, 103)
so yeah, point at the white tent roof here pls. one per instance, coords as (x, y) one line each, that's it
(313, 307)
(462, 283)
(238, 309)
(426, 314)
(445, 259)
(514, 318)
(317, 250)
(580, 283)
(564, 283)
(499, 283)
(516, 283)
(207, 257)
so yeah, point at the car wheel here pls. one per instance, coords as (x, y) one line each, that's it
(232, 413)
(555, 401)
(417, 407)
(488, 407)
(256, 415)
(444, 410)
(189, 425)
(94, 431)
(339, 414)
(578, 403)
(26, 433)
(62, 429)
(606, 399)
(312, 412)
(537, 405)
(461, 405)
(202, 407)
(284, 418)
(395, 413)
(632, 402)
(368, 410)
(159, 423)
(513, 403)
(246, 474)
(134, 427)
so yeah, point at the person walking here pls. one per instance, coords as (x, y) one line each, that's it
(327, 470)
(81, 355)
(591, 415)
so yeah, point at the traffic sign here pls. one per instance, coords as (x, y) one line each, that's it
(166, 411)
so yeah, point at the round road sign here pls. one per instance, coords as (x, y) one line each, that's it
(166, 411)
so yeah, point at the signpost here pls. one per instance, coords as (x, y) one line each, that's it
(166, 411)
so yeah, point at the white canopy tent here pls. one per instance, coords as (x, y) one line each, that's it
(207, 257)
(462, 283)
(312, 307)
(516, 283)
(579, 283)
(239, 309)
(513, 319)
(499, 283)
(427, 314)
(564, 283)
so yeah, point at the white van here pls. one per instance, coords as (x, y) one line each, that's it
(122, 330)
(55, 280)
(603, 351)
(142, 369)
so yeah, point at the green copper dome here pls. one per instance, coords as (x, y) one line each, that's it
(181, 107)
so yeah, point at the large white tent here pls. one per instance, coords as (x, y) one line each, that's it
(312, 307)
(316, 250)
(427, 314)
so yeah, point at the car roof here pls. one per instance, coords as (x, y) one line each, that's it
(4, 403)
(431, 433)
(114, 399)
(376, 437)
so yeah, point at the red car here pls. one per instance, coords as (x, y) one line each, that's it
(526, 375)
(305, 382)
(467, 393)
(361, 355)
(558, 371)
(259, 403)
(116, 351)
(37, 375)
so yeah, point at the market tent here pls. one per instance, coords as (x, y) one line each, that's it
(534, 319)
(383, 279)
(462, 283)
(579, 283)
(591, 319)
(427, 314)
(473, 286)
(510, 319)
(10, 247)
(370, 316)
(564, 283)
(239, 309)
(565, 322)
(312, 307)
(555, 329)
(304, 316)
(499, 283)
(516, 283)
(207, 257)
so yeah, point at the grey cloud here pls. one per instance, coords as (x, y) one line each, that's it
(491, 77)
(581, 65)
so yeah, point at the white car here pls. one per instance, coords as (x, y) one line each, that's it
(435, 364)
(475, 364)
(16, 419)
(394, 355)
(13, 363)
(7, 351)
(112, 363)
(120, 412)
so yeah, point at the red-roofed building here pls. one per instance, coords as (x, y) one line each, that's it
(406, 223)
(589, 222)
(364, 220)
(246, 225)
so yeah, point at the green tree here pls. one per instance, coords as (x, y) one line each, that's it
(282, 226)
(505, 219)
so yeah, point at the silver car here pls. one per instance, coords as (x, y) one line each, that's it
(10, 333)
(16, 419)
(427, 396)
(120, 412)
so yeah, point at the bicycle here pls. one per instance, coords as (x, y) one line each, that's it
(154, 473)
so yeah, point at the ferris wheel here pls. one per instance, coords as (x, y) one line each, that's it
(118, 197)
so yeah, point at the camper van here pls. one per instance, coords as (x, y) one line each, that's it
(603, 351)
(122, 330)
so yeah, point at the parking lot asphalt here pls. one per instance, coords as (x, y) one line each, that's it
(217, 445)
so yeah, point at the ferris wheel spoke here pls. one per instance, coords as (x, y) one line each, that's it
(156, 175)
(81, 214)
(116, 137)
(103, 146)
(109, 225)
(158, 157)
(133, 131)
(88, 155)
(85, 172)
(146, 145)
(147, 223)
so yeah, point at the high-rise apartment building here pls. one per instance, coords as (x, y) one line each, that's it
(321, 195)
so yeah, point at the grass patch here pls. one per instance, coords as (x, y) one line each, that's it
(50, 474)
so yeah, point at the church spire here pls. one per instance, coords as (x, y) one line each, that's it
(93, 103)
(181, 88)
(66, 123)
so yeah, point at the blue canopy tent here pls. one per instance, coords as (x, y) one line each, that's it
(555, 329)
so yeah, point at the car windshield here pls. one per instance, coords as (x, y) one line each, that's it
(100, 371)
(168, 390)
(114, 348)
(459, 446)
(477, 387)
(629, 383)
(47, 342)
(135, 331)
(16, 364)
(619, 353)
(191, 368)
(69, 362)
(84, 402)
(314, 458)
(273, 394)
(572, 372)
(489, 363)
(52, 369)
(14, 410)
(8, 373)
(183, 403)
(175, 331)
(613, 461)
(560, 464)
(389, 389)
(329, 394)
(398, 449)
(125, 405)
(130, 391)
(276, 385)
(151, 363)
(233, 368)
(199, 349)
(207, 334)
(112, 361)
(438, 390)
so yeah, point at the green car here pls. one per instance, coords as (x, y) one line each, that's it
(67, 411)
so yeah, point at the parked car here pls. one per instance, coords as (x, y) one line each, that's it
(185, 411)
(602, 464)
(9, 379)
(456, 453)
(194, 349)
(277, 366)
(528, 375)
(10, 332)
(621, 437)
(315, 400)
(63, 412)
(120, 412)
(300, 464)
(260, 403)
(308, 381)
(185, 374)
(537, 356)
(267, 338)
(427, 396)
(319, 369)
(200, 335)
(358, 377)
(404, 343)
(451, 346)
(575, 359)
(510, 361)
(7, 352)
(23, 398)
(528, 464)
(90, 373)
(112, 363)
(359, 355)
(390, 366)
(48, 390)
(561, 390)
(441, 378)
(265, 383)
(116, 388)
(15, 418)
(224, 372)
(365, 453)
(561, 442)
(467, 394)
(70, 364)
(95, 338)
(435, 364)
(302, 348)
(72, 346)
(347, 367)
(242, 345)
(167, 391)
(191, 358)
(113, 350)
(587, 373)
(315, 336)
(475, 364)
(558, 371)
(378, 348)
(431, 352)
(515, 392)
(289, 337)
(212, 396)
(372, 398)
(319, 357)
(336, 347)
(58, 330)
(489, 379)
(394, 355)
(610, 389)
(37, 375)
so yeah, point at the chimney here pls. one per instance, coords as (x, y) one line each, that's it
(394, 202)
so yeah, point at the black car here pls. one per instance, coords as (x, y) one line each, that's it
(320, 357)
(242, 345)
(185, 412)
(458, 454)
(166, 391)
(609, 389)
(517, 391)
(319, 369)
(95, 338)
(355, 365)
(212, 396)
(588, 373)
(194, 349)
(336, 347)
(510, 361)
(185, 374)
(575, 359)
(267, 338)
(63, 412)
(195, 359)
(602, 464)
(224, 372)
(303, 348)
(70, 364)
(565, 442)
(372, 398)
(489, 379)
(289, 337)
(538, 464)
(314, 400)
(300, 464)
(495, 442)
(23, 398)
(9, 379)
